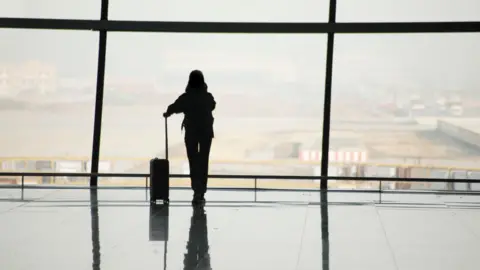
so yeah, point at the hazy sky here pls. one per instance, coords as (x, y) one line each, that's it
(407, 60)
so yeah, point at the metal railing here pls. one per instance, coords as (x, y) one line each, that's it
(132, 162)
(253, 177)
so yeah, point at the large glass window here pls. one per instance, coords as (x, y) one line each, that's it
(407, 10)
(403, 105)
(218, 10)
(406, 105)
(50, 9)
(47, 97)
(269, 91)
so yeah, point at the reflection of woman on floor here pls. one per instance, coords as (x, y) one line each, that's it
(197, 256)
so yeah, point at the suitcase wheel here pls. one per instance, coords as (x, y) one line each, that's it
(167, 201)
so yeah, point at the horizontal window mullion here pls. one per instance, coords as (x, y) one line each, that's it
(243, 27)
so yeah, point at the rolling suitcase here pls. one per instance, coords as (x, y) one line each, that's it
(160, 175)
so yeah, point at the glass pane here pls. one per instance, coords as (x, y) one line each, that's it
(47, 99)
(50, 9)
(407, 10)
(268, 88)
(409, 103)
(217, 10)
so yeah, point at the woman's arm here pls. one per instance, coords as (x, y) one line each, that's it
(178, 106)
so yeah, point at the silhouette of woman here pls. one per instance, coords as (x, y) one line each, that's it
(197, 104)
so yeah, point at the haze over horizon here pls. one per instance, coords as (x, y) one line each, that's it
(407, 62)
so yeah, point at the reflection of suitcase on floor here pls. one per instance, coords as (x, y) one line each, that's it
(158, 222)
(159, 227)
(160, 175)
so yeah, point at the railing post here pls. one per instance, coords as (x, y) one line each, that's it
(255, 190)
(467, 176)
(23, 185)
(450, 177)
(380, 191)
(146, 188)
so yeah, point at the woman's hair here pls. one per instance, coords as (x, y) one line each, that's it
(196, 81)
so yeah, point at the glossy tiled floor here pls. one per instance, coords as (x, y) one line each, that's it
(117, 229)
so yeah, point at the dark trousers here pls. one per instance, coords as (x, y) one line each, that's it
(198, 153)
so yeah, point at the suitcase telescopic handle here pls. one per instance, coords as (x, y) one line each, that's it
(166, 138)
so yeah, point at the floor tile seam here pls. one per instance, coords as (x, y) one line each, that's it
(462, 223)
(118, 241)
(392, 253)
(439, 198)
(25, 202)
(219, 236)
(302, 237)
(439, 204)
(216, 235)
(11, 209)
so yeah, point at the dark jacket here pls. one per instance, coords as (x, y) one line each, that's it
(197, 106)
